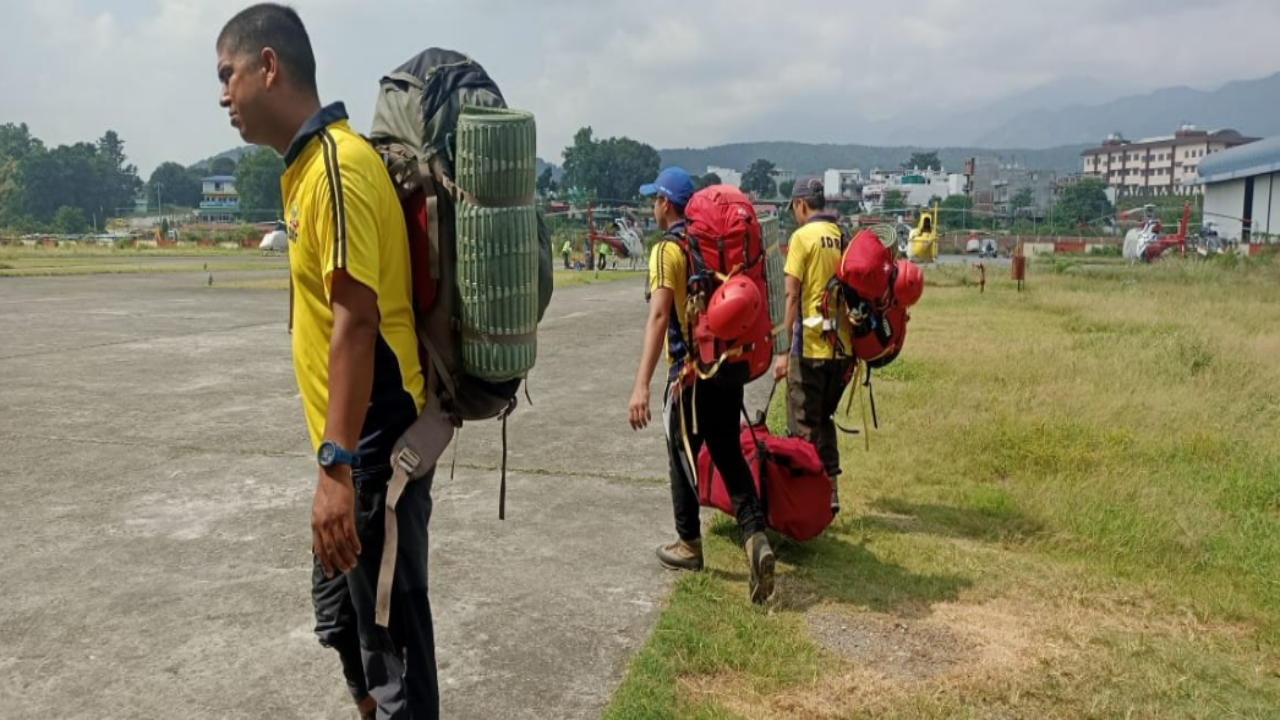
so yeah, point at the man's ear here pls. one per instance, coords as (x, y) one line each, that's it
(270, 67)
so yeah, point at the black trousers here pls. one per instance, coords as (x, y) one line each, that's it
(814, 390)
(396, 665)
(716, 407)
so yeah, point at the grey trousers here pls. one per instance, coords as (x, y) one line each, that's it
(395, 665)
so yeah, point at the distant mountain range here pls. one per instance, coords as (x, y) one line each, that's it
(807, 158)
(1073, 111)
(1049, 125)
(1250, 106)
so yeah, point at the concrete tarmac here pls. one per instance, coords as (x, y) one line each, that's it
(158, 484)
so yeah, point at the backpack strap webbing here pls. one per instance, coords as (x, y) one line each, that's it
(414, 456)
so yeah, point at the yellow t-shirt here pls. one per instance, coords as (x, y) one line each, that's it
(813, 255)
(343, 213)
(667, 269)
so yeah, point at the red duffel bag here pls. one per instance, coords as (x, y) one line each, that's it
(795, 493)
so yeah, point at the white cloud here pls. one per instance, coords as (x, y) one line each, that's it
(667, 72)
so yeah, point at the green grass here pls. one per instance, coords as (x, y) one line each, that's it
(573, 278)
(1096, 456)
(78, 261)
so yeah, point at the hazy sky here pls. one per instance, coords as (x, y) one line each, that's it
(670, 73)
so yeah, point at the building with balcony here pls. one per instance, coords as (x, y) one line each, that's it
(219, 202)
(1158, 166)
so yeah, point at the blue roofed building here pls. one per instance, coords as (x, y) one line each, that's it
(219, 202)
(1240, 196)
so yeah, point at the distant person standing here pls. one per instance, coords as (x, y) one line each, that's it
(355, 357)
(817, 370)
(565, 252)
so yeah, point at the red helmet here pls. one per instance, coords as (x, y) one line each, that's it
(734, 308)
(909, 285)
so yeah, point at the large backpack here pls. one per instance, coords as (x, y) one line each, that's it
(416, 129)
(867, 276)
(722, 239)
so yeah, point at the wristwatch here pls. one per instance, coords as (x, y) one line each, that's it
(331, 454)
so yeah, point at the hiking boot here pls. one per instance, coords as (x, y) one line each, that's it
(760, 555)
(681, 555)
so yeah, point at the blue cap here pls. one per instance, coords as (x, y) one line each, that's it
(673, 184)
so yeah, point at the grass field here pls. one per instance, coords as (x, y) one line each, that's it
(53, 262)
(1071, 510)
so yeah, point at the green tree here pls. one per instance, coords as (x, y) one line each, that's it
(1083, 202)
(546, 183)
(612, 169)
(16, 145)
(117, 180)
(1022, 200)
(178, 185)
(895, 201)
(956, 213)
(70, 220)
(758, 178)
(222, 166)
(924, 161)
(785, 188)
(258, 185)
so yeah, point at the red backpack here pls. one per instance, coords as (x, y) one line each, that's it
(722, 239)
(791, 482)
(868, 277)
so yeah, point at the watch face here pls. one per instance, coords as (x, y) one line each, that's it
(327, 453)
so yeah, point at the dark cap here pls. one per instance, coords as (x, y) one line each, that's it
(808, 188)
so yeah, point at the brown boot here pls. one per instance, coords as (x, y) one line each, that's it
(681, 555)
(760, 555)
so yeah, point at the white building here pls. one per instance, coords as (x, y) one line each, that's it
(843, 185)
(1160, 165)
(1240, 196)
(727, 176)
(919, 186)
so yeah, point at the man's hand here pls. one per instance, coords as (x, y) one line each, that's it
(780, 368)
(640, 414)
(333, 521)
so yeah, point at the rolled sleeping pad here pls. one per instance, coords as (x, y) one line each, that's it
(497, 242)
(497, 278)
(496, 150)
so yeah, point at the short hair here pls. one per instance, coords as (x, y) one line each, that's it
(816, 202)
(279, 28)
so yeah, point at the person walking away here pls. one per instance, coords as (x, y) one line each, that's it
(693, 416)
(354, 352)
(817, 370)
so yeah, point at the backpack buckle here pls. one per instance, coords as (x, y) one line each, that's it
(408, 460)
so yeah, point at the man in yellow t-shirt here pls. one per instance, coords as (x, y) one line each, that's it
(354, 353)
(817, 370)
(712, 409)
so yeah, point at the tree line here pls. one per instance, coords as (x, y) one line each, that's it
(66, 188)
(75, 188)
